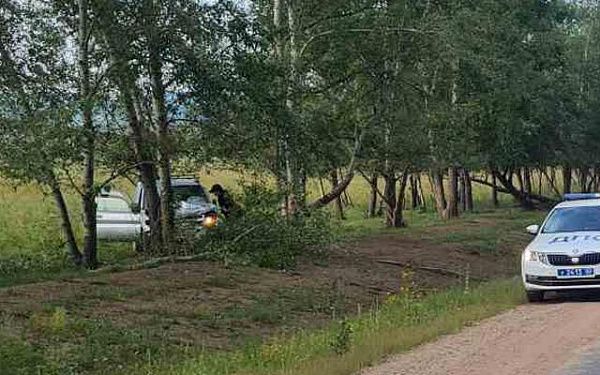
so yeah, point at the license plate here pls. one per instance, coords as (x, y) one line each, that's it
(576, 272)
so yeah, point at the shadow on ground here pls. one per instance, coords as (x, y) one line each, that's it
(573, 296)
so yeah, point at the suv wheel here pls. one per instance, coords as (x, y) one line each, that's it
(535, 296)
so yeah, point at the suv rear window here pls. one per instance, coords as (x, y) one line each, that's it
(109, 204)
(189, 193)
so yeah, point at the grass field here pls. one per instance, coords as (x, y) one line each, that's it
(31, 244)
(30, 234)
(207, 318)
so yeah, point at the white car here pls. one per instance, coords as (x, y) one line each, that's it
(565, 254)
(117, 219)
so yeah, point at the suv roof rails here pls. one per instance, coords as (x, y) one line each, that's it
(183, 177)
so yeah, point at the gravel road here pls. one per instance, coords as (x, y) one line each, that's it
(555, 338)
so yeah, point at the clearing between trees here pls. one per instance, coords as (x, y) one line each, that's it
(120, 322)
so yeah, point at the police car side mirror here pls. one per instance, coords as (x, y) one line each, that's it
(135, 208)
(533, 229)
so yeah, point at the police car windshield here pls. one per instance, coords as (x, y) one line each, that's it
(574, 219)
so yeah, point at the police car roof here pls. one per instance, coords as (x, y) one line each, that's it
(579, 203)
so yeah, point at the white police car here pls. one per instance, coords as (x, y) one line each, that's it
(565, 254)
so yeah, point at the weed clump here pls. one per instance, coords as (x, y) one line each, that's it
(342, 340)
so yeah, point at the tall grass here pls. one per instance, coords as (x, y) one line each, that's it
(31, 239)
(28, 220)
(401, 323)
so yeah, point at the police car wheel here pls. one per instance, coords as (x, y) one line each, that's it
(535, 296)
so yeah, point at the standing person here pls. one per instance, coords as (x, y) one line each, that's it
(226, 203)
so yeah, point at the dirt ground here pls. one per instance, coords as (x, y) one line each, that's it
(209, 305)
(559, 337)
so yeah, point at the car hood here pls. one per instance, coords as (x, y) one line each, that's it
(193, 208)
(567, 243)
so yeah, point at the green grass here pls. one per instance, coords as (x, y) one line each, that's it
(31, 240)
(66, 343)
(61, 341)
(344, 348)
(58, 350)
(507, 222)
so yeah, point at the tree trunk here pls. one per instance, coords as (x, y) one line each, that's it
(373, 182)
(321, 186)
(583, 179)
(452, 206)
(338, 200)
(155, 64)
(468, 191)
(302, 183)
(495, 201)
(347, 200)
(90, 253)
(462, 196)
(389, 194)
(520, 181)
(551, 177)
(145, 157)
(414, 192)
(335, 192)
(422, 198)
(567, 173)
(437, 186)
(141, 142)
(90, 238)
(67, 227)
(522, 195)
(524, 199)
(280, 50)
(146, 167)
(398, 218)
(344, 183)
(527, 180)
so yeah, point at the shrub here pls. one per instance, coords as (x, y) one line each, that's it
(260, 235)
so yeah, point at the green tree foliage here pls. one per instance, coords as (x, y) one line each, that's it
(452, 90)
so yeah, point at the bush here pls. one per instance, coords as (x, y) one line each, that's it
(260, 235)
